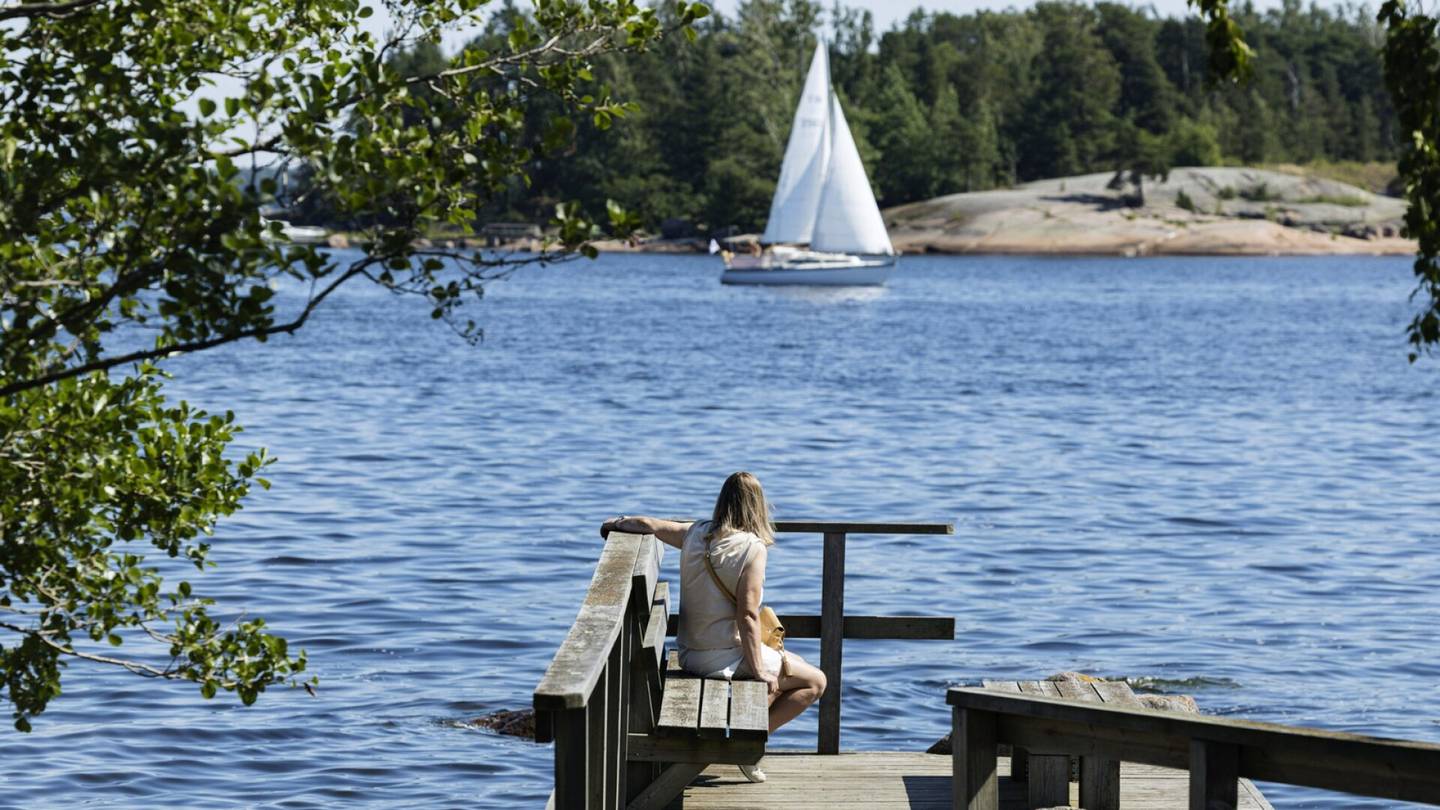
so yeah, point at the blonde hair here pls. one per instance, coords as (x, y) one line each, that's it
(741, 507)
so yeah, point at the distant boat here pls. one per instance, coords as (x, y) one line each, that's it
(299, 234)
(824, 225)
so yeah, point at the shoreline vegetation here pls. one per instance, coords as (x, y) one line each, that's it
(1211, 211)
(1032, 111)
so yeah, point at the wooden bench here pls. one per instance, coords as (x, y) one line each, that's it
(1047, 777)
(702, 721)
(1108, 728)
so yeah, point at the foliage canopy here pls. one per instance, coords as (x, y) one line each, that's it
(129, 233)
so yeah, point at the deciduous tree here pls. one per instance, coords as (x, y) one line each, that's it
(129, 233)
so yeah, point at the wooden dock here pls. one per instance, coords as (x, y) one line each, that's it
(895, 781)
(630, 734)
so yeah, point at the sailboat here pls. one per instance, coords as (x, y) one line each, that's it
(824, 226)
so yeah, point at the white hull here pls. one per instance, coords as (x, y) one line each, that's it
(809, 269)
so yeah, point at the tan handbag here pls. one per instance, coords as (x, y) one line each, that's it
(772, 632)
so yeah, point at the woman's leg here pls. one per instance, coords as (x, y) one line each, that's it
(803, 686)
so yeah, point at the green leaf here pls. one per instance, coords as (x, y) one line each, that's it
(207, 107)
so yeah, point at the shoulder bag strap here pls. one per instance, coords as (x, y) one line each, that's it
(709, 566)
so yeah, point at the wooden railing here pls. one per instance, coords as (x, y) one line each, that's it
(605, 679)
(601, 695)
(1218, 751)
(832, 626)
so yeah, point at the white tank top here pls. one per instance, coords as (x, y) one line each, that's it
(707, 616)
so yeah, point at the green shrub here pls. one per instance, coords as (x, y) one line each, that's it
(1183, 200)
(1260, 192)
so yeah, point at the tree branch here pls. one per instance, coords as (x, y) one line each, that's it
(53, 10)
(193, 346)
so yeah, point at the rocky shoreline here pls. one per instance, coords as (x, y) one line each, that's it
(1216, 211)
(1195, 211)
(1220, 211)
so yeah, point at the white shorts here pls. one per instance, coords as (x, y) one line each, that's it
(726, 662)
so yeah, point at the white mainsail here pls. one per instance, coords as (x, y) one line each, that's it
(807, 156)
(848, 220)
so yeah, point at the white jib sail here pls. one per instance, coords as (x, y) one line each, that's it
(848, 221)
(807, 156)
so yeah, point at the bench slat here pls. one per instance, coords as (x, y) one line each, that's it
(938, 628)
(1003, 686)
(1118, 693)
(1073, 690)
(655, 636)
(680, 706)
(749, 710)
(1042, 688)
(714, 708)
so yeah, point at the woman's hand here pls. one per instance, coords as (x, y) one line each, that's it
(772, 683)
(670, 532)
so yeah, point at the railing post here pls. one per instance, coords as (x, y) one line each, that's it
(1214, 775)
(974, 784)
(570, 758)
(832, 639)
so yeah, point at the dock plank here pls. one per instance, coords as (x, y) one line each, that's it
(714, 708)
(806, 781)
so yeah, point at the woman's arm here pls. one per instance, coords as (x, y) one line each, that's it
(670, 532)
(748, 591)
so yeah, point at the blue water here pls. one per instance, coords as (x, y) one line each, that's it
(1211, 476)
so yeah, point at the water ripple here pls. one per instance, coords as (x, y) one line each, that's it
(1155, 470)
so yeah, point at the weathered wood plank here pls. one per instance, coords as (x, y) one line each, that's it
(976, 784)
(933, 628)
(570, 759)
(680, 706)
(1042, 688)
(1075, 690)
(654, 643)
(714, 708)
(1047, 775)
(646, 573)
(596, 756)
(876, 780)
(649, 748)
(1214, 776)
(860, 527)
(1117, 693)
(832, 639)
(662, 791)
(1019, 757)
(1390, 769)
(1048, 784)
(1003, 686)
(749, 710)
(1099, 777)
(616, 690)
(577, 665)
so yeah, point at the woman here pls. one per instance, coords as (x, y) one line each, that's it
(720, 637)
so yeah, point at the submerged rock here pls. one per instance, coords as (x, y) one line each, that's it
(519, 723)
